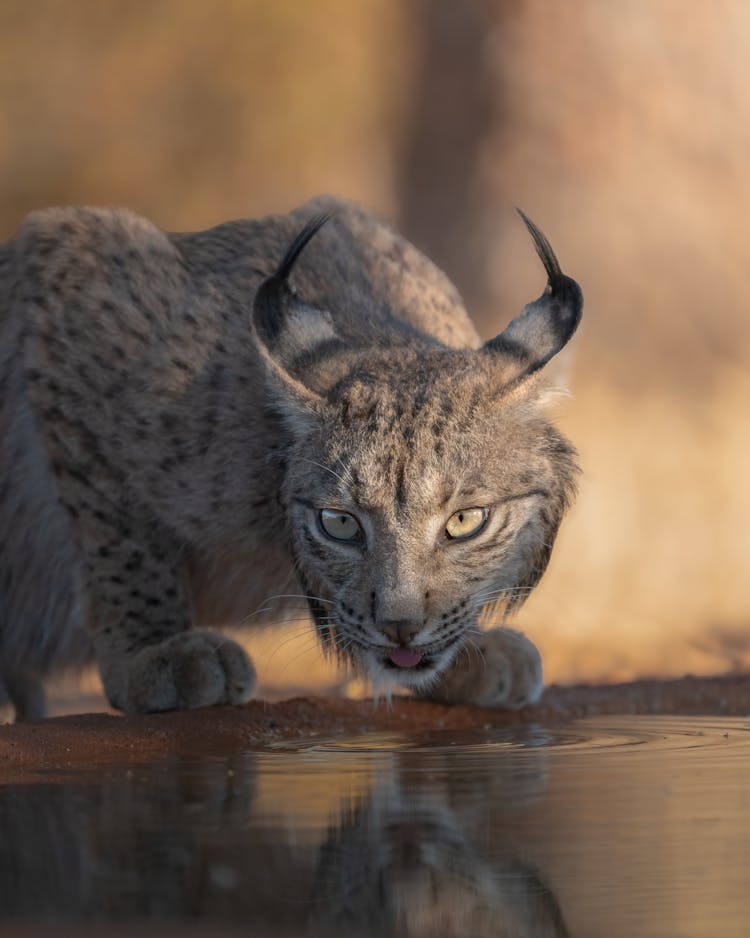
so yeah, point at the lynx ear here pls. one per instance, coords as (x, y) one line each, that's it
(286, 327)
(275, 300)
(543, 326)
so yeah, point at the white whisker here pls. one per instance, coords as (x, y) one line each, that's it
(312, 462)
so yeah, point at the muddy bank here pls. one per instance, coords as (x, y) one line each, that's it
(95, 738)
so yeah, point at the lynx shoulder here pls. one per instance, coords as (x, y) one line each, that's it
(288, 410)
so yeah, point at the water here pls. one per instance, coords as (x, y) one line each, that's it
(608, 827)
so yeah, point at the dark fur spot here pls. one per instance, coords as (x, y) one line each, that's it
(216, 377)
(399, 491)
(135, 562)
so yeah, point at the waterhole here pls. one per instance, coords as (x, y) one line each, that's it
(604, 827)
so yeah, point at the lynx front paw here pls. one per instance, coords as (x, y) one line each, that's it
(503, 669)
(193, 669)
(510, 672)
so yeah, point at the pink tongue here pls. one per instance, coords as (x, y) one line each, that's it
(405, 657)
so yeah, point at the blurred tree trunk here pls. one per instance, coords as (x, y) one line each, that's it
(443, 208)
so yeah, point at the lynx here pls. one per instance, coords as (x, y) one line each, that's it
(296, 407)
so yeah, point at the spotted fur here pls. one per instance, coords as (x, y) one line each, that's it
(175, 410)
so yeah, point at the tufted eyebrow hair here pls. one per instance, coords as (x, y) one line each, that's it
(468, 489)
(543, 493)
(468, 492)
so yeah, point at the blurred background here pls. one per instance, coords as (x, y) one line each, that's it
(622, 129)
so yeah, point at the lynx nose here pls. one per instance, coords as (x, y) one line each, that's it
(402, 631)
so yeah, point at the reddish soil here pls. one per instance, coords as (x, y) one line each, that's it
(68, 741)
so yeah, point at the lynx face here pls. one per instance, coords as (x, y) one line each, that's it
(424, 483)
(422, 499)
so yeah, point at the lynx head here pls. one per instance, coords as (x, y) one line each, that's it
(424, 484)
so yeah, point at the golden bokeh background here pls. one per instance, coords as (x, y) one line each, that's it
(623, 130)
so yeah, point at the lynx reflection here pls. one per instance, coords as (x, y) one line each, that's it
(422, 844)
(419, 858)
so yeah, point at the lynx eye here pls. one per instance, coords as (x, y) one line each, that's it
(339, 525)
(466, 522)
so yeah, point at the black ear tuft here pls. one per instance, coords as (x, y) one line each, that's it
(268, 307)
(300, 243)
(545, 325)
(543, 248)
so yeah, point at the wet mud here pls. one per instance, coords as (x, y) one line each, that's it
(94, 737)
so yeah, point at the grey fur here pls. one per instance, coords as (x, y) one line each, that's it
(163, 461)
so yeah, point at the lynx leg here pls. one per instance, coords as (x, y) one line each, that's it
(148, 656)
(501, 668)
(139, 620)
(26, 692)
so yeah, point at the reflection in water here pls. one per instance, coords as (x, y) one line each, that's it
(401, 849)
(414, 859)
(409, 868)
(620, 825)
